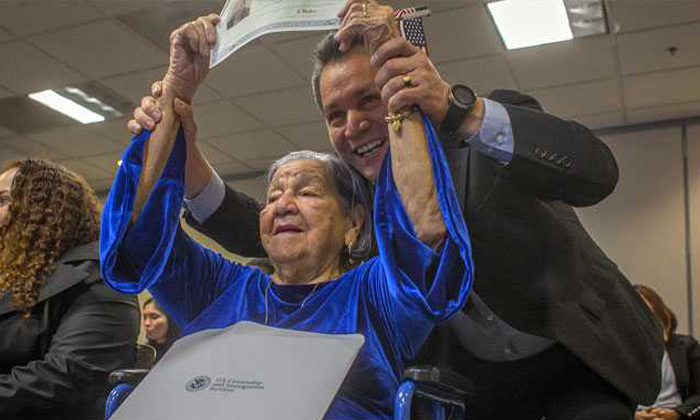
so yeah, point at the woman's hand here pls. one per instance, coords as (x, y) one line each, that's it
(149, 114)
(369, 19)
(190, 48)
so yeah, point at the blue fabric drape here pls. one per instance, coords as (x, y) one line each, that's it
(394, 299)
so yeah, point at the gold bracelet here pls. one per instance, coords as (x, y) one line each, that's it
(396, 120)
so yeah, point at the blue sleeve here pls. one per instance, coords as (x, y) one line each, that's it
(415, 286)
(155, 253)
(495, 138)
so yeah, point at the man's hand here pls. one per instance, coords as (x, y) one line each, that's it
(149, 114)
(369, 19)
(397, 59)
(190, 48)
(643, 414)
(664, 413)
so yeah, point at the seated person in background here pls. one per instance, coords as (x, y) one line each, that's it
(160, 332)
(315, 226)
(680, 371)
(61, 329)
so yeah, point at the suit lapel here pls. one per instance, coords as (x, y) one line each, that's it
(679, 361)
(458, 161)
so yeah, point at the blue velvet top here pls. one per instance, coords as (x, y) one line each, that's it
(393, 299)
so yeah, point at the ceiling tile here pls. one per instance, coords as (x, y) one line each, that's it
(106, 163)
(254, 187)
(26, 17)
(9, 154)
(220, 118)
(205, 94)
(662, 88)
(101, 49)
(120, 7)
(287, 107)
(252, 69)
(607, 119)
(5, 93)
(77, 141)
(32, 149)
(262, 164)
(84, 169)
(590, 98)
(633, 15)
(213, 155)
(298, 54)
(253, 145)
(114, 130)
(135, 86)
(649, 50)
(101, 186)
(462, 33)
(30, 70)
(231, 168)
(665, 112)
(5, 36)
(156, 22)
(563, 63)
(313, 136)
(4, 132)
(482, 74)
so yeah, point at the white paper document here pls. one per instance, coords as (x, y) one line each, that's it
(247, 371)
(244, 20)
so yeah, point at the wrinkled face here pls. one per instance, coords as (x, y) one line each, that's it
(354, 113)
(155, 323)
(303, 220)
(5, 187)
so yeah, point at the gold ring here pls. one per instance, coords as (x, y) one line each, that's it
(364, 10)
(407, 81)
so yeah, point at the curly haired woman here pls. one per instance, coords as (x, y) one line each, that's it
(61, 329)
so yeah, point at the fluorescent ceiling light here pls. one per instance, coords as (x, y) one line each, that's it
(67, 107)
(524, 23)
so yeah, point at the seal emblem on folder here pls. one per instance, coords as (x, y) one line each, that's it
(198, 383)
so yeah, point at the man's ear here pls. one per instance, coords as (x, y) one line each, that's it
(355, 222)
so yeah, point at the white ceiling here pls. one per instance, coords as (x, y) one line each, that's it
(257, 105)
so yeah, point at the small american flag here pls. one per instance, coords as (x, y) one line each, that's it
(411, 25)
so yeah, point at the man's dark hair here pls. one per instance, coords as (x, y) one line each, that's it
(327, 51)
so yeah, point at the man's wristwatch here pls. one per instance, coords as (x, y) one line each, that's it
(462, 101)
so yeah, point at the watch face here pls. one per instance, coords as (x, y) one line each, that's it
(463, 95)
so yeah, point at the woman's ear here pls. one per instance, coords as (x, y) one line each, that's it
(355, 223)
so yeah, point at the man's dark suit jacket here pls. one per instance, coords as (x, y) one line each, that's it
(536, 266)
(684, 352)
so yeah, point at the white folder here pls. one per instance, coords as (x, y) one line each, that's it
(246, 371)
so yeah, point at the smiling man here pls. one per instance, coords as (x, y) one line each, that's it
(556, 329)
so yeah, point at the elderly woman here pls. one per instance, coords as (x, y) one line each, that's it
(61, 329)
(315, 225)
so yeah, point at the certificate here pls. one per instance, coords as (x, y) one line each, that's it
(244, 20)
(246, 371)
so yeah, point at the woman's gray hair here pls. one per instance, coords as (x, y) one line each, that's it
(353, 190)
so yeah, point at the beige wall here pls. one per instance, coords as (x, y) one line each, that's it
(694, 189)
(641, 226)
